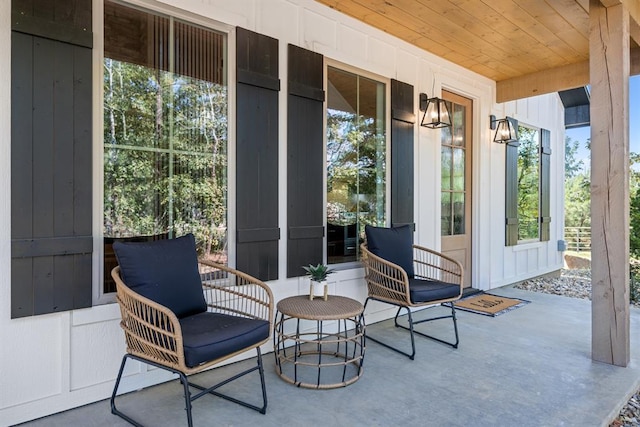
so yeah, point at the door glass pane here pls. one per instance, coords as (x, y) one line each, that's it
(445, 134)
(457, 172)
(458, 213)
(446, 168)
(458, 125)
(446, 217)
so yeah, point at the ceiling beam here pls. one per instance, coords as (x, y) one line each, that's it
(634, 31)
(546, 81)
(633, 6)
(553, 80)
(610, 3)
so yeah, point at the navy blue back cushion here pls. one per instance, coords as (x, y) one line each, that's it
(392, 244)
(165, 271)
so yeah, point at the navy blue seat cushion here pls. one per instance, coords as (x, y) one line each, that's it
(208, 336)
(422, 290)
(392, 244)
(165, 271)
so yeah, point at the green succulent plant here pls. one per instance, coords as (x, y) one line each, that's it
(318, 273)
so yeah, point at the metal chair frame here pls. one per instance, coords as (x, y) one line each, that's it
(389, 283)
(154, 336)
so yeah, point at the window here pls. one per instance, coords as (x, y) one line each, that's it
(356, 161)
(528, 184)
(165, 132)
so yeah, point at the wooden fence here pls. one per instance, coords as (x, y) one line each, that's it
(578, 238)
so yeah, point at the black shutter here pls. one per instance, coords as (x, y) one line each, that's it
(305, 160)
(51, 198)
(545, 184)
(511, 189)
(402, 131)
(257, 154)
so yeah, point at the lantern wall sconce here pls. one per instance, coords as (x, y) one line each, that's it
(505, 131)
(436, 113)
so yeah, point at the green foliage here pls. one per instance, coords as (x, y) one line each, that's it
(318, 273)
(528, 183)
(356, 165)
(572, 166)
(577, 187)
(634, 222)
(634, 284)
(577, 200)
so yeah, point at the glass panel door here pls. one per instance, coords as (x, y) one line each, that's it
(455, 173)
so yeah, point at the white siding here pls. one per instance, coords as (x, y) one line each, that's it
(74, 356)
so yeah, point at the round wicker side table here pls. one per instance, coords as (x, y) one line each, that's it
(324, 357)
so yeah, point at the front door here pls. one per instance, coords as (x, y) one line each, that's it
(455, 196)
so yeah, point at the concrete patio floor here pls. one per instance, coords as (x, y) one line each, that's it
(529, 367)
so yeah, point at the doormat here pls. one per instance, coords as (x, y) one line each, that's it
(489, 304)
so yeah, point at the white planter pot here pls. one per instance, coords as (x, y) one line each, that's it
(317, 289)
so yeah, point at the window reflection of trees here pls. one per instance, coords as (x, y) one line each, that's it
(356, 163)
(165, 131)
(164, 171)
(528, 184)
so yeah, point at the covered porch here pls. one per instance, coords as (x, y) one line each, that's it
(538, 365)
(528, 367)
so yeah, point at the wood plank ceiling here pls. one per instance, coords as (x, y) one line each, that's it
(504, 40)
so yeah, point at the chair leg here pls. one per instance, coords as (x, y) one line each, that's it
(455, 327)
(188, 398)
(390, 347)
(115, 410)
(212, 390)
(263, 410)
(412, 330)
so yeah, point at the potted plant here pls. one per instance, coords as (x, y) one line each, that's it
(318, 280)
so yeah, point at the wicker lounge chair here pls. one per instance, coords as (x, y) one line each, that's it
(185, 315)
(408, 276)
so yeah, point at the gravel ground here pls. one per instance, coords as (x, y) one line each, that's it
(577, 284)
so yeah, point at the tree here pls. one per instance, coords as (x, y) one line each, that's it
(634, 205)
(572, 166)
(577, 187)
(577, 200)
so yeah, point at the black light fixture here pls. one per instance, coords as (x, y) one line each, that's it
(436, 112)
(505, 131)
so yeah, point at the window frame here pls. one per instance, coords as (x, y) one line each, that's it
(99, 297)
(387, 123)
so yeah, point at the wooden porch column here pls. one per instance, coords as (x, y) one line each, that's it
(609, 76)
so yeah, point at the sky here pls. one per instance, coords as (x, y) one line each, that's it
(582, 134)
